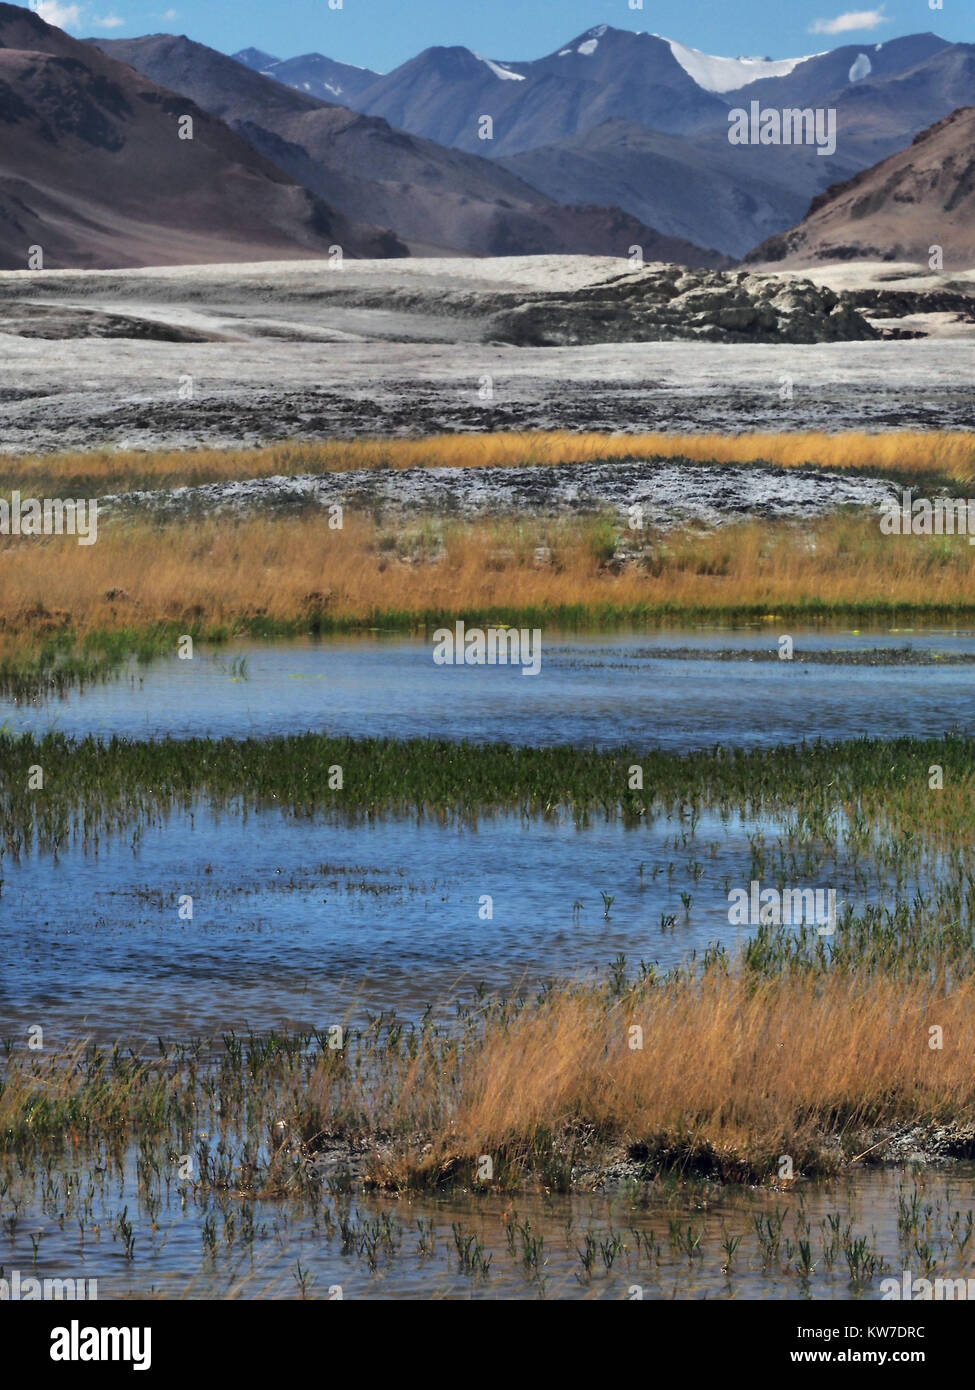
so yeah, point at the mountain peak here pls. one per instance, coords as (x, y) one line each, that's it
(589, 41)
(255, 58)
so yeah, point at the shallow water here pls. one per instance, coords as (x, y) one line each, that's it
(662, 1244)
(303, 923)
(601, 691)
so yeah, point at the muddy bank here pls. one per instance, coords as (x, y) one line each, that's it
(375, 1163)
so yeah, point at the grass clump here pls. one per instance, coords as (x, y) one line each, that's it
(817, 1064)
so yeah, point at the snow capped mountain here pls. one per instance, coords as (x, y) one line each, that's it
(638, 120)
(610, 74)
(711, 73)
(728, 74)
(601, 74)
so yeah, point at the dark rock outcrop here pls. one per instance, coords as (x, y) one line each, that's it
(667, 302)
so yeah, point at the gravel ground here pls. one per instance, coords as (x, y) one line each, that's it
(117, 393)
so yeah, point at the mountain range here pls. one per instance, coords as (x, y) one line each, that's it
(883, 92)
(439, 200)
(612, 142)
(618, 117)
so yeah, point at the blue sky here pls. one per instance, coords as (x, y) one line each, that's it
(383, 33)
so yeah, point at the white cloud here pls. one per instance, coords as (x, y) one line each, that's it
(171, 14)
(853, 19)
(109, 21)
(53, 12)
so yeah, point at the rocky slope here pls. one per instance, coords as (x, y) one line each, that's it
(94, 171)
(898, 210)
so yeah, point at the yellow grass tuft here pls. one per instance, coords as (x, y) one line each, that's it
(218, 572)
(732, 1073)
(936, 455)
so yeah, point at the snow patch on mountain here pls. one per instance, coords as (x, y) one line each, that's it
(589, 47)
(728, 74)
(499, 71)
(861, 68)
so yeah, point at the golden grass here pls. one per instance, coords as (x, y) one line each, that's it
(296, 571)
(217, 572)
(934, 455)
(732, 1074)
(733, 1071)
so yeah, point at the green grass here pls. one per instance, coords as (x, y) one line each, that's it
(813, 780)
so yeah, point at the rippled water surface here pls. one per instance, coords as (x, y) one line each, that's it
(589, 691)
(657, 1244)
(299, 921)
(303, 922)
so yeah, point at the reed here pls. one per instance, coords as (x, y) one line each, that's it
(808, 1067)
(815, 1065)
(860, 785)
